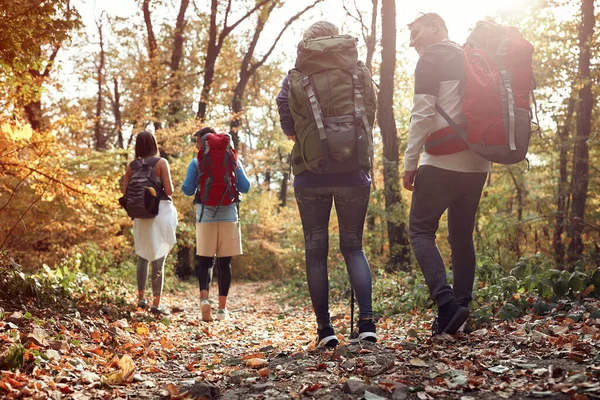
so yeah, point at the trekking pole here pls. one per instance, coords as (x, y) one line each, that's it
(351, 309)
(353, 335)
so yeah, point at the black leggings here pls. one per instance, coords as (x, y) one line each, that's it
(203, 272)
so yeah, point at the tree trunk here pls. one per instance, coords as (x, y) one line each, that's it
(283, 191)
(33, 111)
(153, 65)
(563, 184)
(371, 43)
(372, 39)
(248, 67)
(117, 113)
(98, 131)
(215, 43)
(212, 51)
(175, 106)
(396, 227)
(580, 177)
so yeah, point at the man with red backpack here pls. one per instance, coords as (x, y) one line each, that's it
(471, 106)
(215, 177)
(450, 181)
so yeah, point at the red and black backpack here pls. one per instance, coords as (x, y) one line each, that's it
(217, 162)
(498, 83)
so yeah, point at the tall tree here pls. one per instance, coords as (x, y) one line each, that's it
(100, 138)
(369, 33)
(175, 106)
(249, 65)
(396, 226)
(581, 168)
(32, 33)
(215, 44)
(153, 64)
(563, 193)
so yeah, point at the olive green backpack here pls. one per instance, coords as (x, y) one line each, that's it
(332, 101)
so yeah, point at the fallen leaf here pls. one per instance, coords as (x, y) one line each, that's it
(417, 362)
(257, 363)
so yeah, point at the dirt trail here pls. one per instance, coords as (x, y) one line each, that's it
(266, 351)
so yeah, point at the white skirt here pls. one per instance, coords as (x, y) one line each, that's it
(155, 237)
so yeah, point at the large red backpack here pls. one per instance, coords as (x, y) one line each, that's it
(498, 83)
(217, 162)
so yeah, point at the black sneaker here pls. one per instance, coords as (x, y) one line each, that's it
(450, 318)
(327, 337)
(366, 332)
(466, 328)
(143, 303)
(159, 311)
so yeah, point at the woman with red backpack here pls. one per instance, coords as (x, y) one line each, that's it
(215, 177)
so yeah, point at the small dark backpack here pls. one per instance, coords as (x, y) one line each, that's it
(144, 191)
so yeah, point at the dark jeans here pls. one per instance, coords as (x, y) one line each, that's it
(351, 204)
(204, 273)
(438, 190)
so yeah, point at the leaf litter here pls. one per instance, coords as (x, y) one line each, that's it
(266, 351)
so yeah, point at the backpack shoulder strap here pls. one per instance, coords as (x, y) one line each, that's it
(316, 110)
(152, 161)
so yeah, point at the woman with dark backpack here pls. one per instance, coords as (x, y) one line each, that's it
(153, 234)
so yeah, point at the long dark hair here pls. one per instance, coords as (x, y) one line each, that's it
(145, 145)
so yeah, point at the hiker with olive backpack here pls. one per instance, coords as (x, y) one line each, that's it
(471, 108)
(216, 178)
(147, 187)
(327, 107)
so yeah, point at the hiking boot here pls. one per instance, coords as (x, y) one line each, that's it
(366, 332)
(326, 337)
(466, 328)
(450, 318)
(222, 314)
(143, 303)
(159, 311)
(205, 309)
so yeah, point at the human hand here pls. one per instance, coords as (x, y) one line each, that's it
(292, 138)
(408, 180)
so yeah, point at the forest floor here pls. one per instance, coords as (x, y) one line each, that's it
(266, 351)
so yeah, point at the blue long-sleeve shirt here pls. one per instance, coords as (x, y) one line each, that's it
(228, 213)
(307, 179)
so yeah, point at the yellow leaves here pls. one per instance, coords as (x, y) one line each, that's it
(142, 330)
(124, 374)
(15, 131)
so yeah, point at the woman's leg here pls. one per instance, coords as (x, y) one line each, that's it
(158, 279)
(203, 272)
(314, 205)
(351, 207)
(142, 276)
(224, 264)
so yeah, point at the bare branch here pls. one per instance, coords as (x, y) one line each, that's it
(285, 27)
(51, 178)
(15, 190)
(227, 29)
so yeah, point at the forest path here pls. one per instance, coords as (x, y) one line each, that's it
(266, 351)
